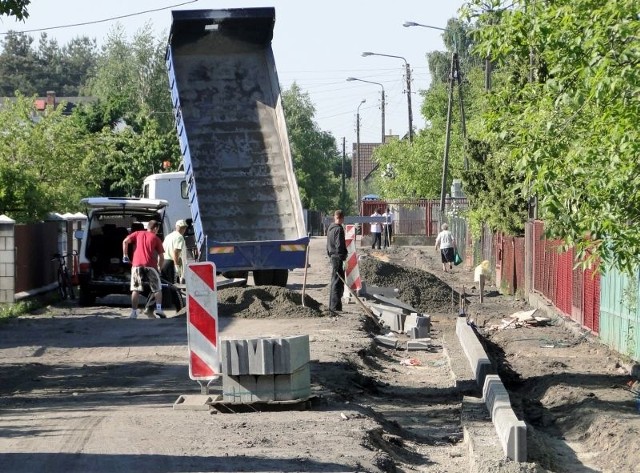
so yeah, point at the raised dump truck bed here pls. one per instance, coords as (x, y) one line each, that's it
(243, 193)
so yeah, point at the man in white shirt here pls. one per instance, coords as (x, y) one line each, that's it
(376, 230)
(387, 227)
(174, 253)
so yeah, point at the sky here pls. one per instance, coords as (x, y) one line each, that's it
(316, 45)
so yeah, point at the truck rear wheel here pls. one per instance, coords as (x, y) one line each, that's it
(280, 277)
(263, 277)
(271, 277)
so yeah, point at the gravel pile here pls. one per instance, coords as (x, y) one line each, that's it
(420, 289)
(266, 301)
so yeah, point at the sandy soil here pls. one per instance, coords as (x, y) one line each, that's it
(90, 390)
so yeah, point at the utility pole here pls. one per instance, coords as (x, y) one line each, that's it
(408, 69)
(358, 154)
(445, 159)
(343, 194)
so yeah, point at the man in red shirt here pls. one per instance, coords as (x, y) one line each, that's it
(147, 258)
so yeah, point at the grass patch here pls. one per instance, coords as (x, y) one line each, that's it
(9, 311)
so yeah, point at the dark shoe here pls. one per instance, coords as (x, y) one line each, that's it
(160, 314)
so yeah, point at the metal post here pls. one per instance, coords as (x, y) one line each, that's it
(343, 194)
(383, 128)
(358, 155)
(382, 105)
(408, 74)
(463, 122)
(445, 159)
(408, 68)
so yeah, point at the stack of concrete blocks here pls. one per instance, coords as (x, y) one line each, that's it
(265, 369)
(417, 325)
(511, 431)
(389, 316)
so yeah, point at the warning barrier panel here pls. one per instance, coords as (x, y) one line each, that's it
(352, 272)
(202, 321)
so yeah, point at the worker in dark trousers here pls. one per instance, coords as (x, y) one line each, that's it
(337, 252)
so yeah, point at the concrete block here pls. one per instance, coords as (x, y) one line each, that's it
(478, 359)
(419, 344)
(370, 290)
(290, 353)
(260, 355)
(296, 385)
(7, 256)
(7, 283)
(235, 388)
(225, 357)
(381, 308)
(392, 320)
(7, 296)
(237, 357)
(511, 431)
(391, 342)
(265, 388)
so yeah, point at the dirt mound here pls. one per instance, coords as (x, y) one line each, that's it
(267, 301)
(420, 289)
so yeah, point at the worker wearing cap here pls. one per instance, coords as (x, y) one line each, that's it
(174, 250)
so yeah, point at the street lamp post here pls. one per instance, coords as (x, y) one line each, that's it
(358, 154)
(349, 79)
(408, 74)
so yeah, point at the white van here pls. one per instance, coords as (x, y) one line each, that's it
(172, 187)
(111, 220)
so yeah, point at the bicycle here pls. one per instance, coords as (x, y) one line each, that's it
(65, 287)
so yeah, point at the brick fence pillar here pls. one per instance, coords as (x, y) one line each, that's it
(7, 259)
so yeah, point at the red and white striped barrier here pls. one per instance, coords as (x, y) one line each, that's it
(202, 321)
(352, 272)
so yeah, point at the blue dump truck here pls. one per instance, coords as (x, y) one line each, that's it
(243, 195)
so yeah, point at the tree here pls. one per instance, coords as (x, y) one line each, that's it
(132, 77)
(45, 161)
(566, 117)
(17, 8)
(32, 70)
(314, 153)
(18, 61)
(129, 155)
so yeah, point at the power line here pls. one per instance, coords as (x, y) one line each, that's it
(35, 30)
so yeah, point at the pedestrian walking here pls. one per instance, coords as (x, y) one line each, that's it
(447, 246)
(337, 252)
(147, 258)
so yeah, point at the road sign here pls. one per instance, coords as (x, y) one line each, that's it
(352, 272)
(202, 321)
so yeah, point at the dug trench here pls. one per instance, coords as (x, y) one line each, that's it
(378, 408)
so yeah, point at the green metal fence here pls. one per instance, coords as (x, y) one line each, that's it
(620, 312)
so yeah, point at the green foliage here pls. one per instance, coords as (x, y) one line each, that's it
(567, 121)
(130, 155)
(17, 8)
(315, 158)
(44, 161)
(10, 311)
(131, 78)
(31, 70)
